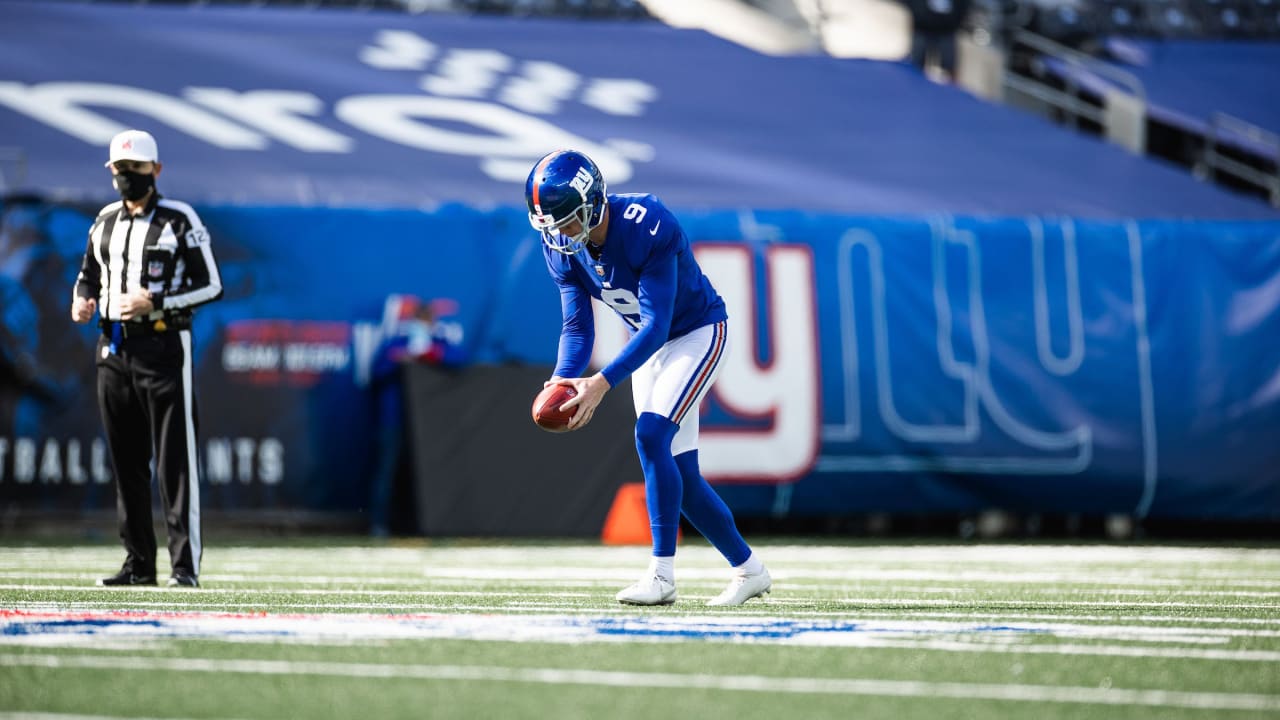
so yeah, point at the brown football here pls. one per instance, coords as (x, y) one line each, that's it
(546, 408)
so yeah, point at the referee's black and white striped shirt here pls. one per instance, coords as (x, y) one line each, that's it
(113, 264)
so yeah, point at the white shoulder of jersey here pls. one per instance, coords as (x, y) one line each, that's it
(183, 208)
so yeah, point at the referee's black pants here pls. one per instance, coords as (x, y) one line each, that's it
(147, 402)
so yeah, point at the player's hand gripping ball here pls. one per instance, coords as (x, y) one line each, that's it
(546, 408)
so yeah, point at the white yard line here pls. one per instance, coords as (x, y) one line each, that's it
(554, 602)
(736, 683)
(552, 607)
(1095, 557)
(856, 606)
(68, 716)
(1265, 656)
(36, 626)
(791, 595)
(855, 601)
(587, 577)
(897, 575)
(1179, 617)
(290, 591)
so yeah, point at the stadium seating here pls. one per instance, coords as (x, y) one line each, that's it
(1199, 101)
(1193, 67)
(1073, 22)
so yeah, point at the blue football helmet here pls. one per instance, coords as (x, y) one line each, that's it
(562, 187)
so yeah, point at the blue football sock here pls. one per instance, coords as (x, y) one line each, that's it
(662, 484)
(708, 513)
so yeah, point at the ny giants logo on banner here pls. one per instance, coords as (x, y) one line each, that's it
(767, 426)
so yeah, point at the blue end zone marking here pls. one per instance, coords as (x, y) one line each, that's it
(571, 629)
(155, 627)
(81, 626)
(676, 629)
(1007, 628)
(771, 630)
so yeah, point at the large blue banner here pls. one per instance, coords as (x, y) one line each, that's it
(936, 364)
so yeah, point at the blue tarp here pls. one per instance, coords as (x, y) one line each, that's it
(275, 107)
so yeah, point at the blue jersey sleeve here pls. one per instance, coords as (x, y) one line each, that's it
(577, 334)
(578, 328)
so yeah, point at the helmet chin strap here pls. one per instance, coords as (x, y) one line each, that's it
(604, 216)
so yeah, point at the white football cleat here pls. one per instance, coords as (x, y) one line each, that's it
(743, 587)
(648, 590)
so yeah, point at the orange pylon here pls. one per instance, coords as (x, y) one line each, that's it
(628, 520)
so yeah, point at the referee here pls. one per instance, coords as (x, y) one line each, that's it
(147, 264)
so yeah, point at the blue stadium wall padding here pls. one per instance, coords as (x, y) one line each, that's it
(939, 363)
(275, 107)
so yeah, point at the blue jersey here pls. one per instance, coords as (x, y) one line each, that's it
(646, 272)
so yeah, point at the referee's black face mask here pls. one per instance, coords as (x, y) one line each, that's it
(133, 185)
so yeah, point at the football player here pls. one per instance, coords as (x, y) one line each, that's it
(628, 251)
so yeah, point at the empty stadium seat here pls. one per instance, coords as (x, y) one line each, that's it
(1066, 20)
(1120, 17)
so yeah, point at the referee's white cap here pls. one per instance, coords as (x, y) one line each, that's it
(133, 145)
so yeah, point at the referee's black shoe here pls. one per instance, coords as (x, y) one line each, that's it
(127, 576)
(182, 578)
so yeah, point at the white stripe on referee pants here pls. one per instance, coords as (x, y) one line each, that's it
(193, 467)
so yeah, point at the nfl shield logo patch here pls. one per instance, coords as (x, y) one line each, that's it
(155, 268)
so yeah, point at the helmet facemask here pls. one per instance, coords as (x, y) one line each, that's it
(567, 244)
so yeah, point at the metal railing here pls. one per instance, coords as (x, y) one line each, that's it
(1122, 114)
(1212, 161)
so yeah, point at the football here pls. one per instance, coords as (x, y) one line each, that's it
(546, 408)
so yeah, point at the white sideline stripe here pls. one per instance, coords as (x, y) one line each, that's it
(787, 572)
(1077, 618)
(1064, 589)
(944, 602)
(1176, 633)
(1269, 656)
(1062, 626)
(355, 627)
(864, 644)
(205, 591)
(873, 601)
(592, 577)
(555, 605)
(583, 578)
(1112, 561)
(297, 585)
(751, 683)
(890, 555)
(1085, 580)
(66, 716)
